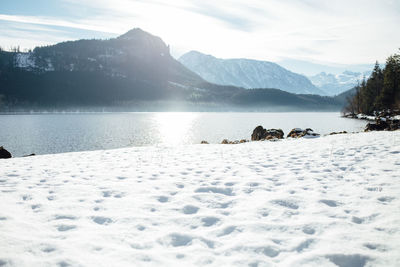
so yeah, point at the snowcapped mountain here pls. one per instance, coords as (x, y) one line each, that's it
(247, 73)
(335, 84)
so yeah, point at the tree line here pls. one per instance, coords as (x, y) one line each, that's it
(381, 91)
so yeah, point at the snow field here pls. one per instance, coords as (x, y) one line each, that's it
(330, 201)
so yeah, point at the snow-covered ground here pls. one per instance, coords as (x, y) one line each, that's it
(328, 201)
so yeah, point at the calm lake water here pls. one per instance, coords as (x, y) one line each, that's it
(56, 133)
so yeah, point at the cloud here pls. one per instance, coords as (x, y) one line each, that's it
(28, 36)
(358, 31)
(50, 21)
(231, 18)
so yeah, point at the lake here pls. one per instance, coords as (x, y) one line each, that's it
(57, 133)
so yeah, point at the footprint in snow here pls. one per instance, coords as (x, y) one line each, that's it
(101, 220)
(343, 260)
(330, 203)
(181, 240)
(209, 221)
(215, 190)
(304, 245)
(35, 207)
(113, 194)
(26, 197)
(267, 251)
(189, 209)
(141, 227)
(386, 199)
(107, 193)
(64, 228)
(366, 219)
(48, 249)
(308, 230)
(227, 231)
(64, 264)
(286, 203)
(372, 246)
(163, 199)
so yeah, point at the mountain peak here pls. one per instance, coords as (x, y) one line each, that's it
(134, 34)
(196, 54)
(140, 38)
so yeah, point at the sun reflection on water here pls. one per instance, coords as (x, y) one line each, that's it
(175, 127)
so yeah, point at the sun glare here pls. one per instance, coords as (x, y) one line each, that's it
(174, 127)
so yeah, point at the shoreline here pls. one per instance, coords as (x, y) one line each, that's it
(165, 111)
(229, 142)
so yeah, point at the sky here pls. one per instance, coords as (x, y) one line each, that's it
(320, 31)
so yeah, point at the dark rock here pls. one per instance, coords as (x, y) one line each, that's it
(379, 125)
(297, 133)
(383, 124)
(204, 142)
(243, 141)
(371, 127)
(343, 132)
(4, 154)
(227, 142)
(350, 115)
(30, 155)
(259, 133)
(395, 125)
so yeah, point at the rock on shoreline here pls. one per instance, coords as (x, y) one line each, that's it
(383, 125)
(259, 133)
(4, 154)
(297, 133)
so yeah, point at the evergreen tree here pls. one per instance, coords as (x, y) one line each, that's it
(376, 81)
(371, 90)
(381, 91)
(389, 96)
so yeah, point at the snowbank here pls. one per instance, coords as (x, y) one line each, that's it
(302, 202)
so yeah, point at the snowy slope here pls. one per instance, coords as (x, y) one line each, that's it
(25, 60)
(247, 73)
(331, 201)
(335, 84)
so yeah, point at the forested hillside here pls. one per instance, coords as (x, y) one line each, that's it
(381, 91)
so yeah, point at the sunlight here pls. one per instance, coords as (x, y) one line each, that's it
(174, 127)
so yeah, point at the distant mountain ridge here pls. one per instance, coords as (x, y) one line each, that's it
(309, 68)
(336, 84)
(247, 73)
(134, 71)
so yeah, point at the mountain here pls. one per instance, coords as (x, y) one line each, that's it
(310, 68)
(135, 66)
(283, 101)
(339, 83)
(345, 96)
(135, 54)
(247, 73)
(134, 71)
